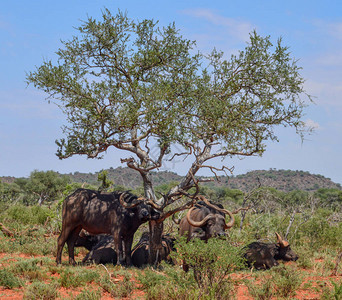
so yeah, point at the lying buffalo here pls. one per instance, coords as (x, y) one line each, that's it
(119, 214)
(265, 255)
(103, 252)
(140, 252)
(205, 220)
(101, 248)
(87, 240)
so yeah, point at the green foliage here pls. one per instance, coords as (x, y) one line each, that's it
(320, 232)
(46, 186)
(330, 197)
(41, 291)
(337, 290)
(89, 295)
(105, 183)
(120, 289)
(264, 291)
(29, 214)
(115, 79)
(211, 263)
(286, 280)
(9, 192)
(9, 280)
(173, 283)
(280, 281)
(77, 277)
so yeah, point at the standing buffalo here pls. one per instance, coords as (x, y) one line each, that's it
(140, 253)
(205, 220)
(265, 255)
(119, 214)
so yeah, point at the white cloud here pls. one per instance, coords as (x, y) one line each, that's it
(236, 28)
(312, 124)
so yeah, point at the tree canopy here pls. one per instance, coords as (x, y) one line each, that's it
(136, 86)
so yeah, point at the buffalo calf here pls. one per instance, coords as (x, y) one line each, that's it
(140, 253)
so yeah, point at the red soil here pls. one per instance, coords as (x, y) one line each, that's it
(305, 292)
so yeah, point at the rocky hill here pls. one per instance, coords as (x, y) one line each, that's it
(283, 180)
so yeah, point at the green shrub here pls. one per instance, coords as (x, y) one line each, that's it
(77, 276)
(211, 264)
(286, 280)
(171, 284)
(29, 268)
(263, 291)
(123, 288)
(89, 295)
(29, 214)
(9, 280)
(337, 292)
(42, 291)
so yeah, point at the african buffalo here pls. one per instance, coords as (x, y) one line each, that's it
(103, 252)
(101, 248)
(87, 240)
(265, 255)
(205, 220)
(140, 253)
(119, 214)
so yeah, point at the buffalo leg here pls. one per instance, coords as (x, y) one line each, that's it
(63, 237)
(118, 248)
(128, 250)
(71, 244)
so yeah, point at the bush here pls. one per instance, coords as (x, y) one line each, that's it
(77, 276)
(286, 280)
(29, 214)
(89, 295)
(40, 290)
(211, 262)
(172, 284)
(9, 280)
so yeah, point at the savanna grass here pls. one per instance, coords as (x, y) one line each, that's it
(9, 280)
(41, 291)
(77, 276)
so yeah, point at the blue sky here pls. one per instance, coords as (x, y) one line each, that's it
(30, 31)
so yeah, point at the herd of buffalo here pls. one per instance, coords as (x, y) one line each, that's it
(105, 224)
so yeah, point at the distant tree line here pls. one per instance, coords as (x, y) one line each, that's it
(49, 186)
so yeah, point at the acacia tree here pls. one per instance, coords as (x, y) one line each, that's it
(133, 85)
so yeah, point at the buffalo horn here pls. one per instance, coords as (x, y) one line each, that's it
(281, 242)
(154, 205)
(197, 223)
(125, 204)
(225, 211)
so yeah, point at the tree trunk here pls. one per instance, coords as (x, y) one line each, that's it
(155, 228)
(156, 231)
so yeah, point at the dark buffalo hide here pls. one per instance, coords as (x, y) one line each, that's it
(140, 253)
(266, 255)
(99, 213)
(214, 222)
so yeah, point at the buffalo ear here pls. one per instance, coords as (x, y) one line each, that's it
(282, 243)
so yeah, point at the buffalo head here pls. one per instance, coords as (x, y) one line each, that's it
(145, 209)
(208, 220)
(284, 250)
